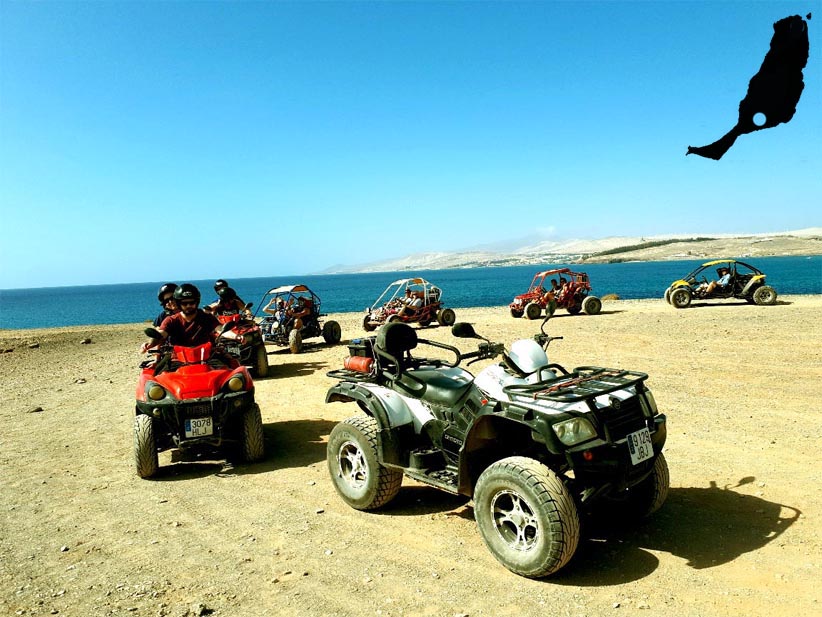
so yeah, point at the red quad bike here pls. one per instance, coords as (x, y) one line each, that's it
(388, 307)
(249, 348)
(573, 295)
(188, 397)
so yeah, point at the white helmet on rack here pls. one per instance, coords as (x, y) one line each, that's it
(528, 356)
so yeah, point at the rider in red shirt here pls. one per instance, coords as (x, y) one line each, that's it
(191, 326)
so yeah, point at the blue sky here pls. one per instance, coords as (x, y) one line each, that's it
(146, 141)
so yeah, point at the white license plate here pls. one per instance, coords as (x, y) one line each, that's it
(640, 446)
(199, 427)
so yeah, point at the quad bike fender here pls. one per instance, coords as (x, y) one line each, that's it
(389, 408)
(756, 281)
(397, 416)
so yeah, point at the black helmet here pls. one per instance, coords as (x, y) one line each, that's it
(227, 294)
(187, 291)
(219, 284)
(168, 288)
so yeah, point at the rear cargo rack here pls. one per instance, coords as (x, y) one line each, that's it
(582, 384)
(344, 374)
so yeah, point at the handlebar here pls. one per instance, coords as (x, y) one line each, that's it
(486, 350)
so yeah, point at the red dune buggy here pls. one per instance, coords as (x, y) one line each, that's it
(413, 300)
(570, 290)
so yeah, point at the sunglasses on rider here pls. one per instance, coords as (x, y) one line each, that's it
(188, 303)
(168, 299)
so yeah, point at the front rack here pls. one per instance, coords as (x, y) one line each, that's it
(583, 383)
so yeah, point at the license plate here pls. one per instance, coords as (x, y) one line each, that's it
(640, 446)
(199, 427)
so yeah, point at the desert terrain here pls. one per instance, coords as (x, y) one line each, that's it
(740, 533)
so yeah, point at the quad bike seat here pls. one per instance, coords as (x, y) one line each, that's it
(393, 345)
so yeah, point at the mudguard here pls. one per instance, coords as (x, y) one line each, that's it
(395, 414)
(755, 281)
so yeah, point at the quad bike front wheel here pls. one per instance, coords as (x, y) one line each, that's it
(681, 298)
(261, 361)
(253, 446)
(332, 333)
(592, 305)
(764, 295)
(446, 317)
(295, 341)
(145, 446)
(645, 498)
(533, 310)
(526, 516)
(357, 475)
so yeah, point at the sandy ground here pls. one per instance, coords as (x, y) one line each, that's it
(740, 534)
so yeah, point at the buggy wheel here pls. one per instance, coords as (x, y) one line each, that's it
(667, 295)
(681, 297)
(764, 295)
(332, 333)
(393, 318)
(592, 305)
(295, 341)
(253, 447)
(359, 478)
(446, 317)
(515, 313)
(261, 361)
(425, 322)
(526, 516)
(366, 324)
(575, 308)
(645, 498)
(532, 310)
(145, 446)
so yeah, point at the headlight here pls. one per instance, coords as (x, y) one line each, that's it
(156, 392)
(648, 403)
(574, 431)
(236, 383)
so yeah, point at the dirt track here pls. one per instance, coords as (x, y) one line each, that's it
(80, 534)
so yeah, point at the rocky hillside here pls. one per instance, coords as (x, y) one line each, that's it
(608, 250)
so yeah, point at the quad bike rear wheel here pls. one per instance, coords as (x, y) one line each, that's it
(253, 446)
(592, 305)
(533, 310)
(526, 516)
(295, 341)
(446, 317)
(681, 297)
(764, 295)
(145, 446)
(261, 361)
(359, 478)
(332, 333)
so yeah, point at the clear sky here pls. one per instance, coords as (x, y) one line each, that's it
(146, 141)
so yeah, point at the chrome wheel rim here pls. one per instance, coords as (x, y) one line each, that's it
(353, 469)
(515, 521)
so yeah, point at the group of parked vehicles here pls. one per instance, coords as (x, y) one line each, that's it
(536, 446)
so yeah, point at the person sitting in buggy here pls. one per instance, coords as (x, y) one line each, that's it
(706, 289)
(302, 309)
(411, 303)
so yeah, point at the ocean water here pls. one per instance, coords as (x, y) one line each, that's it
(340, 293)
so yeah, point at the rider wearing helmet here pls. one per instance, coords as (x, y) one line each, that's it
(228, 307)
(166, 298)
(191, 326)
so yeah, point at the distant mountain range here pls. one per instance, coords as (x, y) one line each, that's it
(532, 250)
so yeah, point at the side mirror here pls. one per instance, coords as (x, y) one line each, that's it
(249, 305)
(152, 333)
(463, 329)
